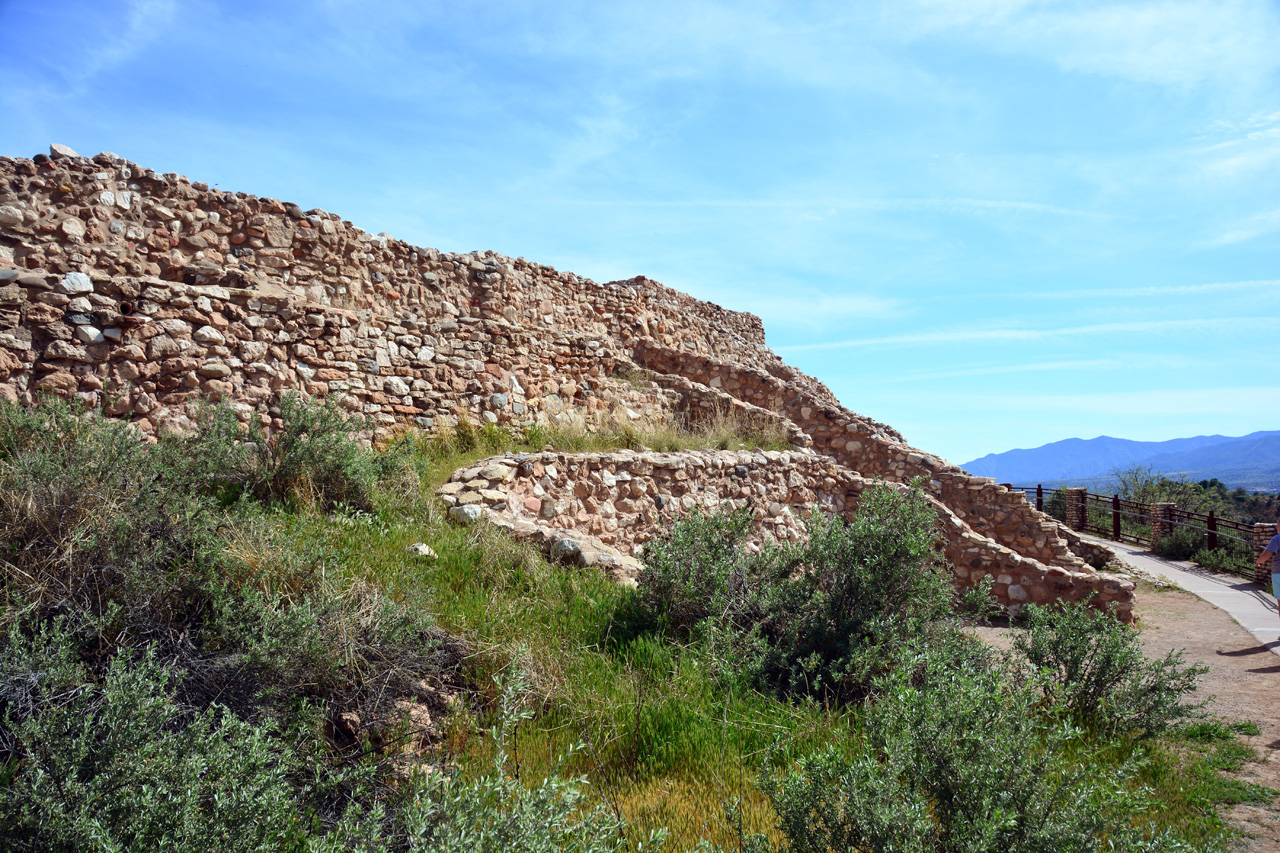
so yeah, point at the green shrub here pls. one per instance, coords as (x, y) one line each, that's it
(1234, 557)
(1181, 543)
(313, 458)
(978, 603)
(348, 649)
(700, 567)
(120, 767)
(215, 459)
(867, 589)
(954, 757)
(1095, 671)
(89, 514)
(818, 619)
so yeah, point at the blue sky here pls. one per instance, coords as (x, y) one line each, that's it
(990, 223)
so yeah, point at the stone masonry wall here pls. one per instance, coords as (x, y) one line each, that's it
(874, 450)
(612, 503)
(106, 213)
(145, 293)
(148, 348)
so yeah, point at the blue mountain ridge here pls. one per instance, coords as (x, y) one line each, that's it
(1242, 460)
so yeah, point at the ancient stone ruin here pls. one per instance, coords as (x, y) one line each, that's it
(143, 294)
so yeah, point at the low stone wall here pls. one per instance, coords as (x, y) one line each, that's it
(618, 501)
(876, 451)
(1092, 553)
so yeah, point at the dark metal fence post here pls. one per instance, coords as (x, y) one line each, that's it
(1039, 498)
(1213, 531)
(1115, 517)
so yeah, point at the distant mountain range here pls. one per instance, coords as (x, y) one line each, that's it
(1252, 461)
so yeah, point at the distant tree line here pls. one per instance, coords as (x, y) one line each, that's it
(1144, 484)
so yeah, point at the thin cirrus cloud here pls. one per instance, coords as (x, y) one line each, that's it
(110, 45)
(1268, 286)
(1171, 402)
(1248, 229)
(145, 22)
(1238, 325)
(816, 310)
(941, 205)
(990, 370)
(1173, 42)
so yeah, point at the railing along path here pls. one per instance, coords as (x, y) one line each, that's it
(1135, 522)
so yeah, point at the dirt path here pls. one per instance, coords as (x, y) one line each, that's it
(1243, 678)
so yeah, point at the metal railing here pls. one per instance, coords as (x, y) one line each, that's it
(1222, 543)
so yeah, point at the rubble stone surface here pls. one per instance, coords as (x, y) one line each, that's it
(143, 294)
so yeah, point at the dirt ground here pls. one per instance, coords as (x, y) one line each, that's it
(1243, 679)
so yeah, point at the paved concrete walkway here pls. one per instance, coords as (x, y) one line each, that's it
(1248, 603)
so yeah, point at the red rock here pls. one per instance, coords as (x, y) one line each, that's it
(58, 383)
(40, 314)
(8, 362)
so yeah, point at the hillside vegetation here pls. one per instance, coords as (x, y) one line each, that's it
(224, 637)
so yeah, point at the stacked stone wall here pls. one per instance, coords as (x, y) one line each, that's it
(613, 503)
(144, 293)
(108, 214)
(877, 451)
(149, 348)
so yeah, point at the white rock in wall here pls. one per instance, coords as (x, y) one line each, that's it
(74, 283)
(209, 335)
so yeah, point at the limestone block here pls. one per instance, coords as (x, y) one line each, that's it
(75, 283)
(468, 514)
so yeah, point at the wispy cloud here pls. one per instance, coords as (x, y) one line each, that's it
(816, 309)
(990, 370)
(831, 46)
(834, 205)
(598, 134)
(1252, 148)
(1260, 401)
(1240, 324)
(1259, 225)
(145, 21)
(1268, 286)
(114, 39)
(1170, 42)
